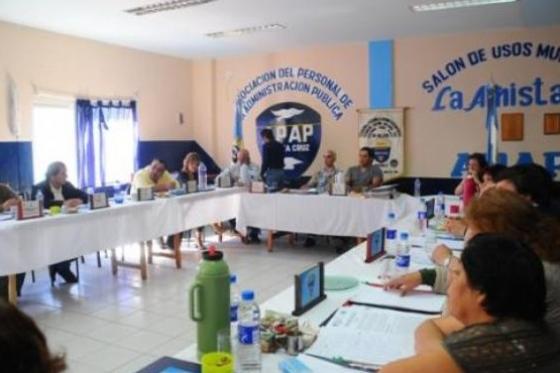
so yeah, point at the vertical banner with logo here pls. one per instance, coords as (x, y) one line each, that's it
(383, 131)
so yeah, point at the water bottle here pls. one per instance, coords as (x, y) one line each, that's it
(202, 176)
(439, 208)
(90, 191)
(248, 346)
(209, 300)
(391, 233)
(235, 298)
(422, 218)
(402, 260)
(118, 193)
(39, 197)
(417, 187)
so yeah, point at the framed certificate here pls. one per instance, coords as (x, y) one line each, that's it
(309, 289)
(257, 187)
(145, 194)
(98, 201)
(375, 246)
(29, 210)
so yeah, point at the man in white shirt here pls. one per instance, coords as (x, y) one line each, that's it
(242, 173)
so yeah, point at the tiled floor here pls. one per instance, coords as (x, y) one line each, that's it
(120, 323)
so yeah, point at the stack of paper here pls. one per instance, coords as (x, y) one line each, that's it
(367, 335)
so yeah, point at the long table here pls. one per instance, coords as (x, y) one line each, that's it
(349, 264)
(30, 244)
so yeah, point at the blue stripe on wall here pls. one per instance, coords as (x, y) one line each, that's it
(16, 164)
(19, 153)
(381, 74)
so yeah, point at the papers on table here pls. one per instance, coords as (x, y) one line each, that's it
(4, 217)
(302, 191)
(367, 335)
(415, 301)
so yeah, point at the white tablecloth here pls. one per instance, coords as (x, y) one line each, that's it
(26, 245)
(320, 214)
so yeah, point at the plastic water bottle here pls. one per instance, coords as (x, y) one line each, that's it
(248, 347)
(118, 193)
(39, 197)
(417, 187)
(234, 299)
(402, 260)
(439, 208)
(391, 233)
(90, 191)
(202, 176)
(422, 218)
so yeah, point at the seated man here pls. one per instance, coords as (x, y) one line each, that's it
(242, 173)
(154, 175)
(366, 175)
(496, 304)
(57, 190)
(323, 178)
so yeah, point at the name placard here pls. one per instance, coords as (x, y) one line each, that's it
(257, 187)
(145, 194)
(375, 246)
(224, 181)
(309, 289)
(338, 189)
(29, 210)
(98, 201)
(191, 186)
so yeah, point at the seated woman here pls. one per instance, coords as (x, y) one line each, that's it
(496, 301)
(57, 191)
(189, 172)
(23, 347)
(507, 213)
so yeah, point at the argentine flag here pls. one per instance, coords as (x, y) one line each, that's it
(491, 124)
(237, 131)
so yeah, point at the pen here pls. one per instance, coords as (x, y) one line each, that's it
(376, 285)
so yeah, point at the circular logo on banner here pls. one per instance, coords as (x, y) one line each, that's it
(379, 131)
(298, 127)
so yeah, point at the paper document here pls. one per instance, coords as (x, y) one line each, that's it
(367, 335)
(422, 301)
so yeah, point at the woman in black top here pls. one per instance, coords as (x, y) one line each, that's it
(496, 300)
(57, 191)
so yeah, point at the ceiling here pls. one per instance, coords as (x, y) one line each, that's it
(182, 32)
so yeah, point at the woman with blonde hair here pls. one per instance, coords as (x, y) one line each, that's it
(507, 213)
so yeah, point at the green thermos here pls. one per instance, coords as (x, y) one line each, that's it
(209, 300)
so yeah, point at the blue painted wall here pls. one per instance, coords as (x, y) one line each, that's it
(16, 164)
(20, 178)
(381, 74)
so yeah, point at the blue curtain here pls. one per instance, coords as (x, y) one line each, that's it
(93, 120)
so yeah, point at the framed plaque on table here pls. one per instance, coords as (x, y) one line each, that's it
(309, 289)
(338, 189)
(224, 181)
(191, 186)
(145, 194)
(375, 246)
(98, 201)
(257, 187)
(29, 210)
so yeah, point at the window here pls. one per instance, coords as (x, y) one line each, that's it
(119, 147)
(54, 137)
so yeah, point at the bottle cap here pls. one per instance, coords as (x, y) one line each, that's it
(232, 279)
(404, 236)
(391, 215)
(248, 295)
(212, 254)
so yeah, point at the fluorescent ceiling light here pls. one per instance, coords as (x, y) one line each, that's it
(165, 6)
(246, 30)
(456, 4)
